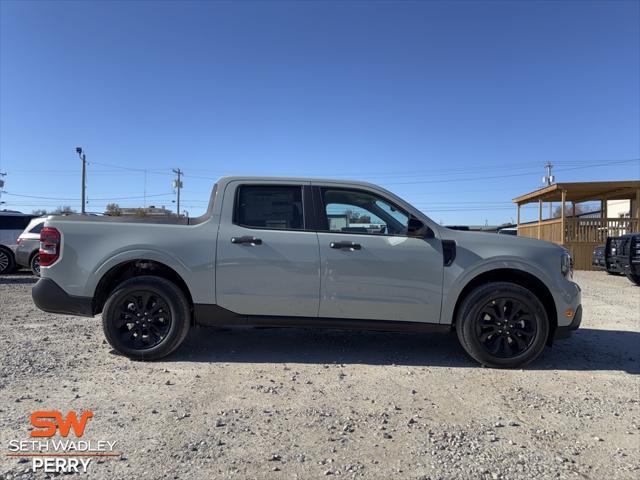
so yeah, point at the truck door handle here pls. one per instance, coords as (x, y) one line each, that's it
(250, 240)
(350, 245)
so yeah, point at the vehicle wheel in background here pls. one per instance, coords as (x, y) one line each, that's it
(7, 262)
(635, 278)
(502, 325)
(35, 264)
(146, 318)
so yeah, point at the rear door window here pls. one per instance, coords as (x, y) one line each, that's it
(273, 207)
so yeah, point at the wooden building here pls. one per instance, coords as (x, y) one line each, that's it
(580, 234)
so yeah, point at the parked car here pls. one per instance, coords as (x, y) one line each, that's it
(627, 256)
(266, 254)
(597, 259)
(27, 251)
(12, 224)
(611, 264)
(508, 231)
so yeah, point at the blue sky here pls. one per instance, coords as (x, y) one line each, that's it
(455, 106)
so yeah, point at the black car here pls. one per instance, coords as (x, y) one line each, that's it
(611, 249)
(626, 256)
(597, 260)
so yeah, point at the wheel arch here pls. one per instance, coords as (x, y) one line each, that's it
(133, 268)
(518, 277)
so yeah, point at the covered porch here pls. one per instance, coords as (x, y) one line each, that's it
(578, 232)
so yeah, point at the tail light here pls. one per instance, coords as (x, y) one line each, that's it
(49, 246)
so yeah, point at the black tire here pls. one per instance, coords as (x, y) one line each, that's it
(150, 299)
(7, 262)
(634, 277)
(505, 315)
(34, 264)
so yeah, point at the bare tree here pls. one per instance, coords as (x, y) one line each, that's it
(40, 212)
(64, 210)
(113, 209)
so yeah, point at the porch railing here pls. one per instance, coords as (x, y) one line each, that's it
(593, 230)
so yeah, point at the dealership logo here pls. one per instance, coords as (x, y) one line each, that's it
(48, 428)
(66, 454)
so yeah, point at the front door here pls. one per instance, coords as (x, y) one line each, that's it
(370, 267)
(267, 262)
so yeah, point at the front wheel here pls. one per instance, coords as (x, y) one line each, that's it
(146, 318)
(502, 325)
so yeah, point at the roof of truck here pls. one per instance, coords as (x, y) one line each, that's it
(344, 181)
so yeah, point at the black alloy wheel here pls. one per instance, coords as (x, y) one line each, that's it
(505, 327)
(144, 319)
(502, 325)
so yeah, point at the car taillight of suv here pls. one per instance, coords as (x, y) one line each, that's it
(49, 246)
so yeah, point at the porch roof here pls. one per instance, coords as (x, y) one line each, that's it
(583, 191)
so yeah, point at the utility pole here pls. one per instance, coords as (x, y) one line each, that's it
(2, 174)
(549, 180)
(177, 184)
(83, 157)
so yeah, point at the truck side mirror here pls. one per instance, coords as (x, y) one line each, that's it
(416, 228)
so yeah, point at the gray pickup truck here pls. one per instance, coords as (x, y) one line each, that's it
(307, 253)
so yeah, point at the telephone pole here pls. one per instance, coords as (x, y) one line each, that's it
(2, 185)
(549, 180)
(177, 184)
(83, 157)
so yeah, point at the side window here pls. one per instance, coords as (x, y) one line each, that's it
(354, 211)
(14, 222)
(274, 207)
(37, 228)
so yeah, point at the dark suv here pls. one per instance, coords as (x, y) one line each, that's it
(626, 256)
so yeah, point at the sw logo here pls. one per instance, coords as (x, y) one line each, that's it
(47, 422)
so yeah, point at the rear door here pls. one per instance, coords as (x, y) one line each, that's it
(370, 267)
(267, 259)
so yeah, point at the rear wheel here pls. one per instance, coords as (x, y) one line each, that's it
(146, 318)
(34, 264)
(7, 262)
(502, 325)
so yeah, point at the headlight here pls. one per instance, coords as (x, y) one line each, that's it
(566, 265)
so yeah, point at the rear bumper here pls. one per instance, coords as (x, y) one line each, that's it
(50, 297)
(567, 330)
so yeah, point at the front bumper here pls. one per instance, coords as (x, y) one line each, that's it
(50, 297)
(566, 330)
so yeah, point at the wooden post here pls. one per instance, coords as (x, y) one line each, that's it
(562, 226)
(603, 208)
(518, 217)
(539, 218)
(573, 209)
(637, 212)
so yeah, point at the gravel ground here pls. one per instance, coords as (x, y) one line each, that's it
(268, 403)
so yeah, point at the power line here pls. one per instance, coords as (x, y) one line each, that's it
(72, 199)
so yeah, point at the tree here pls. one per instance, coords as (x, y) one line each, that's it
(64, 210)
(568, 210)
(113, 209)
(40, 212)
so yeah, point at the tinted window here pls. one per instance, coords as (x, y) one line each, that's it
(14, 222)
(354, 211)
(274, 207)
(37, 228)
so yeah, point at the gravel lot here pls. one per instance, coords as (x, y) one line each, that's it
(268, 403)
